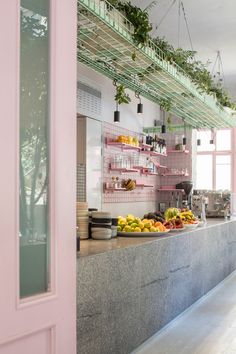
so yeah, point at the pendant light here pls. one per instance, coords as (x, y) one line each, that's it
(184, 138)
(139, 105)
(163, 127)
(117, 114)
(211, 142)
(198, 139)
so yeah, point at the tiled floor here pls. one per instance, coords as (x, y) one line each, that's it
(208, 327)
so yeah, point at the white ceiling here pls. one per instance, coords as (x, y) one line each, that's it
(212, 25)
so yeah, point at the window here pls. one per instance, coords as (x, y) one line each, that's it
(204, 172)
(34, 147)
(223, 172)
(213, 163)
(223, 140)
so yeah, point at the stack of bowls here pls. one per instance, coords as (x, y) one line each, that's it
(101, 225)
(114, 225)
(90, 210)
(82, 220)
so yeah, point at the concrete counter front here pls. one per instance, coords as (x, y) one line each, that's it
(126, 294)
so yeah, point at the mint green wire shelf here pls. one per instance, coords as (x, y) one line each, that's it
(105, 44)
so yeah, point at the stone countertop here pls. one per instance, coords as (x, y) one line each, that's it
(135, 286)
(92, 247)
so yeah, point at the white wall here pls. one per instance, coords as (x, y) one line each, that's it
(129, 119)
(138, 208)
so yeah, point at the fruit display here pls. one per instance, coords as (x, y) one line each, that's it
(188, 217)
(130, 223)
(171, 213)
(131, 140)
(175, 219)
(174, 223)
(156, 215)
(129, 184)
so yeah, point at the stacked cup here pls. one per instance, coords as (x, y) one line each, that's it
(82, 220)
(101, 225)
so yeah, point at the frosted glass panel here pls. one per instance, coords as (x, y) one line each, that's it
(223, 140)
(204, 172)
(223, 172)
(34, 160)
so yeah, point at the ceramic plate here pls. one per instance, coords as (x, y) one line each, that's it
(143, 234)
(201, 223)
(191, 226)
(176, 230)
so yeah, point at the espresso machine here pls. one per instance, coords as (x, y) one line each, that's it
(217, 203)
(187, 186)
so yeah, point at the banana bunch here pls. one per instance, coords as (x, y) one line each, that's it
(187, 215)
(129, 184)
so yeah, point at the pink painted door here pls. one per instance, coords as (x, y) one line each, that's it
(37, 180)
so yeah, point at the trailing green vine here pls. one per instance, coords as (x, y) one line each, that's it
(196, 70)
(139, 19)
(185, 59)
(165, 104)
(121, 96)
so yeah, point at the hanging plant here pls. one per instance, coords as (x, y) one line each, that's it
(195, 70)
(139, 19)
(165, 104)
(184, 59)
(169, 123)
(121, 96)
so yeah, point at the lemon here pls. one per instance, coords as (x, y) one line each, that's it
(145, 230)
(123, 222)
(141, 225)
(134, 225)
(137, 220)
(137, 229)
(130, 216)
(127, 228)
(147, 224)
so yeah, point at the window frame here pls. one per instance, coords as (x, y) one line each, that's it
(214, 153)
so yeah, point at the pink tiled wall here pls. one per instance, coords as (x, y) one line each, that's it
(111, 132)
(175, 160)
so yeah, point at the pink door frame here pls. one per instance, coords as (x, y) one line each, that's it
(47, 323)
